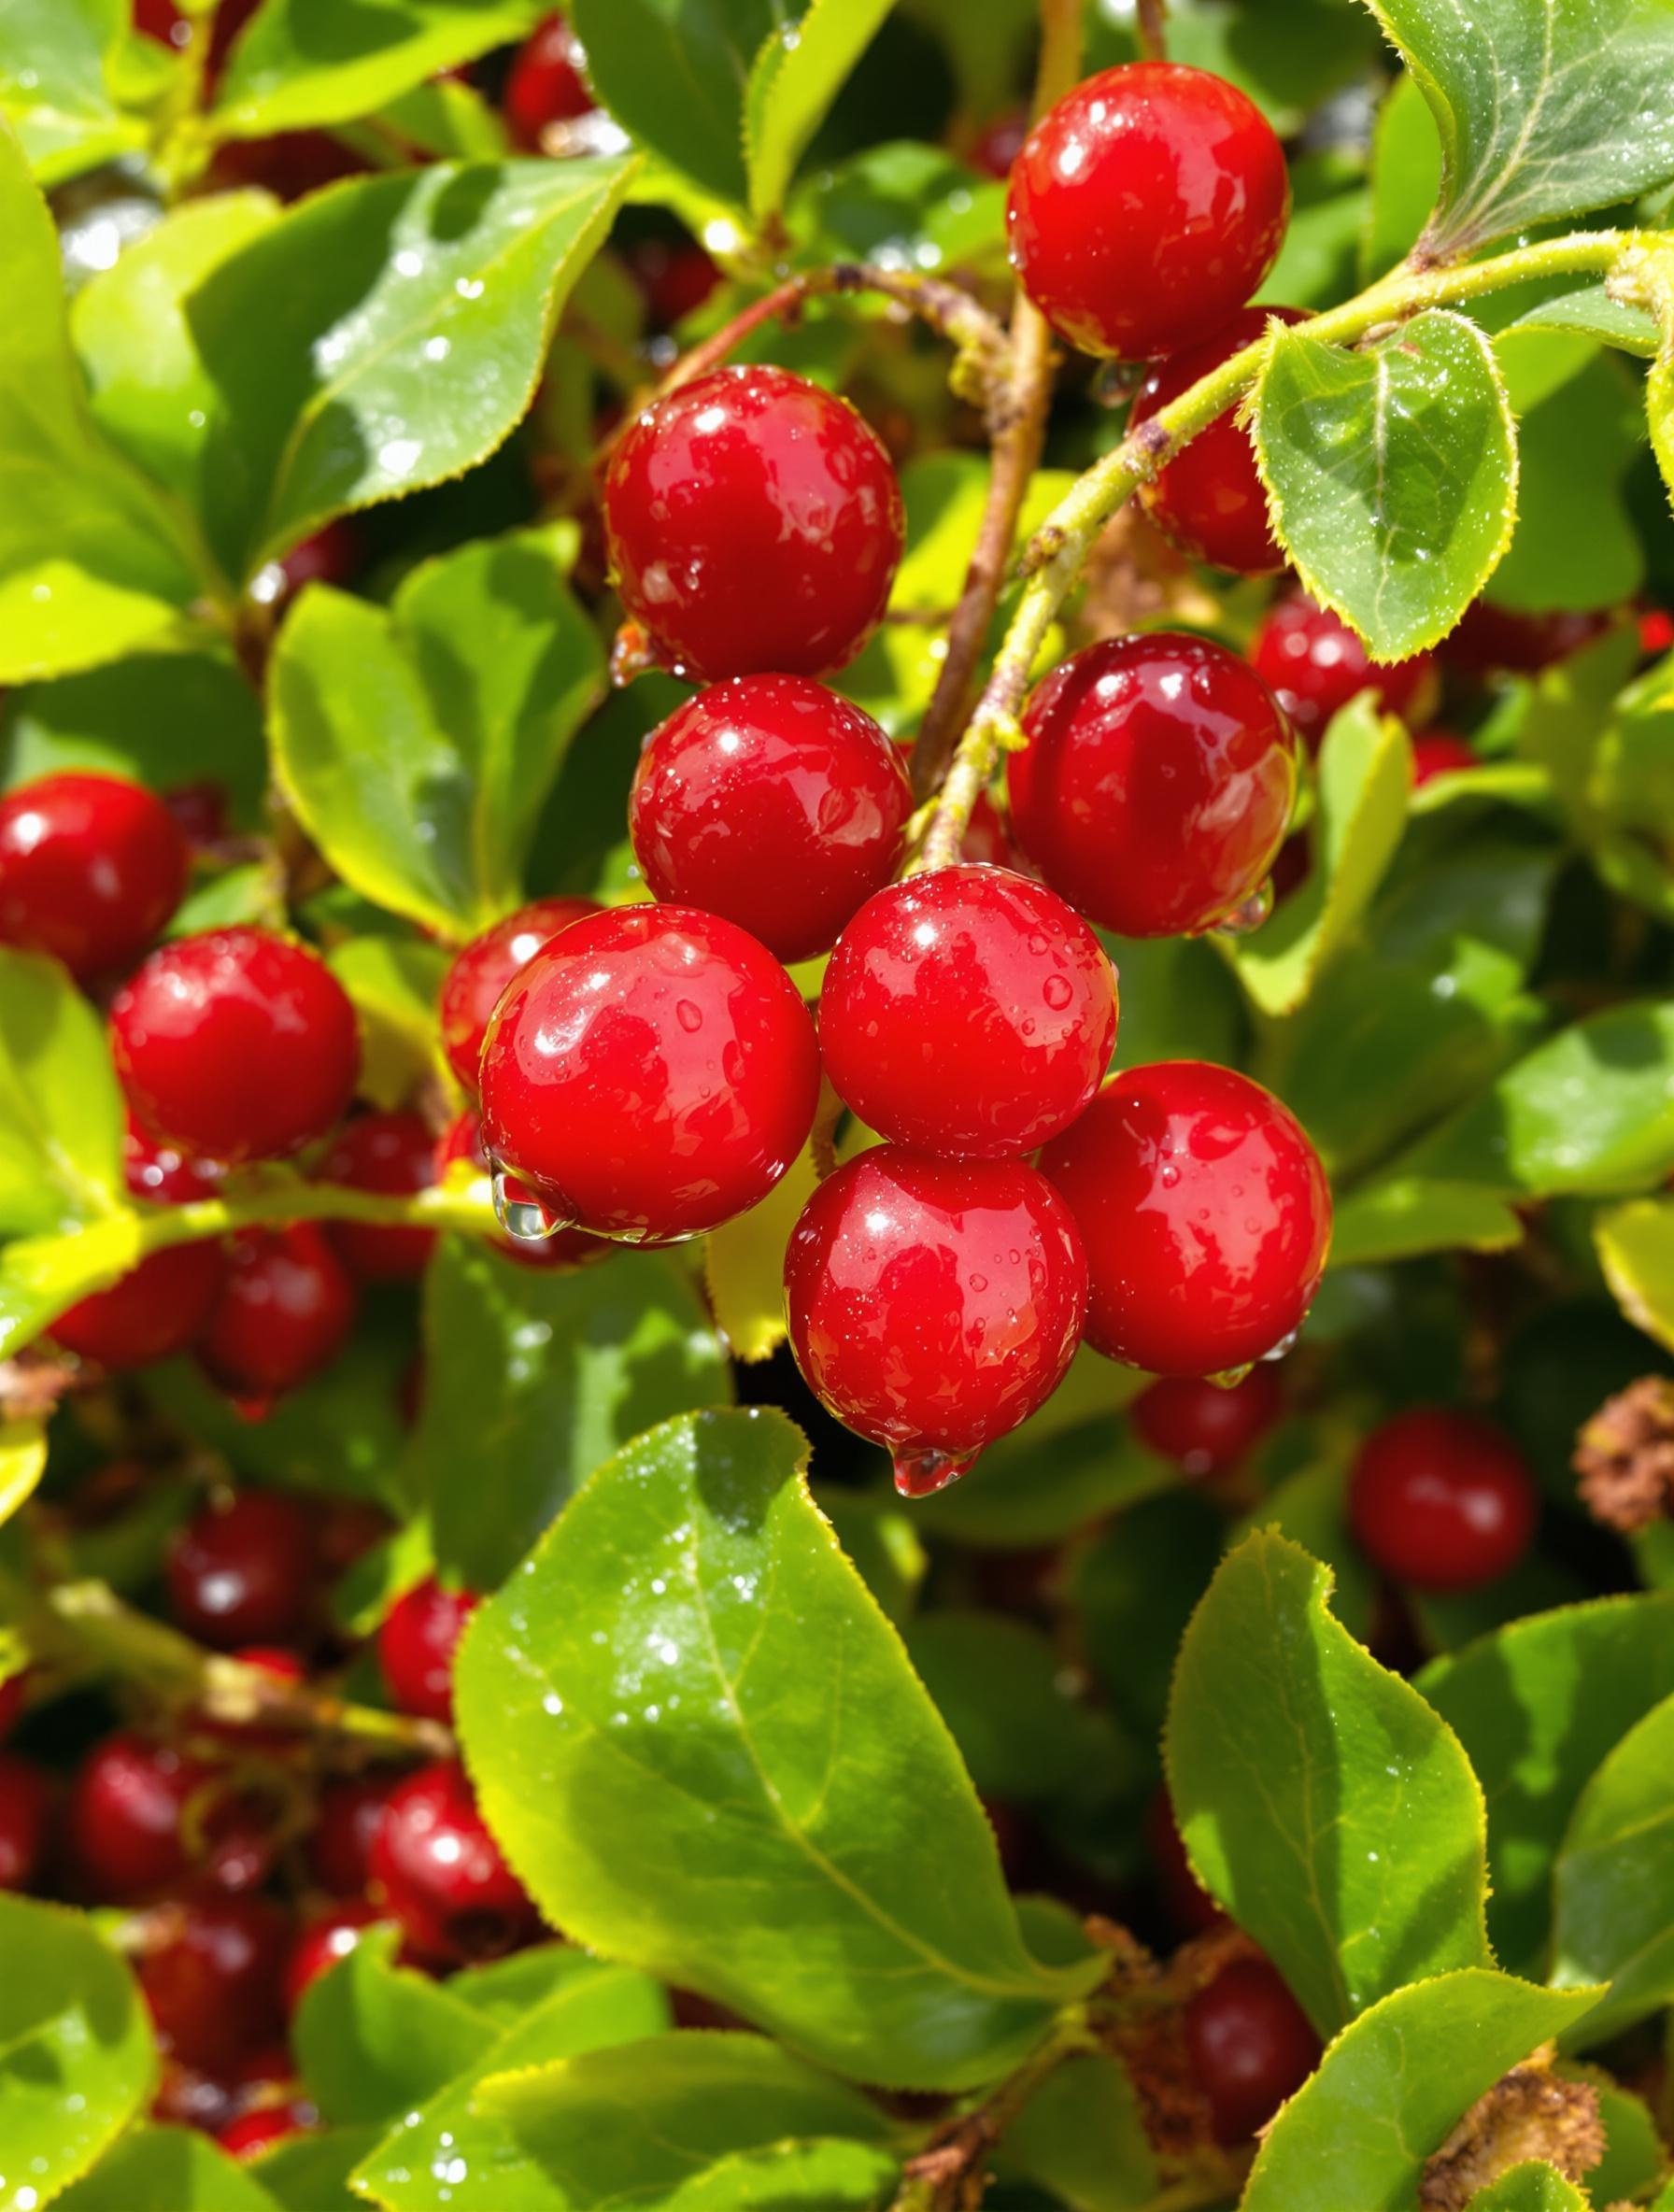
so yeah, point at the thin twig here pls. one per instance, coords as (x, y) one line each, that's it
(1150, 30)
(951, 2172)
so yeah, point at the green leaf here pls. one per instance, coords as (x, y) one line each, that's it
(1634, 2158)
(1592, 312)
(23, 1462)
(1575, 544)
(904, 202)
(418, 745)
(797, 74)
(1081, 2135)
(1406, 1214)
(674, 72)
(167, 2169)
(41, 1277)
(533, 1377)
(1135, 1587)
(395, 982)
(1365, 777)
(1324, 1803)
(1613, 1877)
(1406, 175)
(304, 63)
(54, 86)
(1310, 1508)
(1545, 112)
(704, 2123)
(384, 335)
(91, 562)
(1039, 1484)
(1391, 473)
(61, 1112)
(1636, 1250)
(1538, 1706)
(310, 2172)
(1390, 2090)
(70, 2011)
(373, 2039)
(1534, 2186)
(703, 1750)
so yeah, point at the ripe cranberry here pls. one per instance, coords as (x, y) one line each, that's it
(1656, 631)
(1145, 208)
(285, 1312)
(1000, 143)
(322, 1943)
(1204, 1212)
(441, 1874)
(1205, 1427)
(215, 1983)
(1493, 640)
(650, 1074)
(416, 1643)
(473, 986)
(1190, 1907)
(158, 1308)
(772, 801)
(463, 1140)
(545, 84)
(90, 869)
(242, 1571)
(257, 2130)
(1442, 1500)
(237, 1045)
(1157, 783)
(968, 1012)
(1315, 664)
(123, 1817)
(1439, 752)
(393, 1154)
(348, 1814)
(201, 810)
(755, 526)
(1251, 2047)
(26, 1800)
(934, 1305)
(1210, 500)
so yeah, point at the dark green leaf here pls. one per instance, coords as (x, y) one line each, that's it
(674, 73)
(60, 1113)
(55, 57)
(797, 74)
(1036, 1485)
(1135, 1587)
(373, 2039)
(1633, 2157)
(1613, 1878)
(1406, 177)
(882, 1541)
(310, 2173)
(1083, 2137)
(167, 2170)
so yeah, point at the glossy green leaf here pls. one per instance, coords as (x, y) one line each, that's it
(1532, 2187)
(60, 1113)
(1135, 1587)
(1538, 1706)
(797, 74)
(54, 83)
(1545, 112)
(1615, 1876)
(310, 2173)
(1390, 2088)
(418, 745)
(1636, 1250)
(1326, 1805)
(167, 2169)
(70, 2010)
(905, 202)
(1401, 1215)
(1365, 776)
(1575, 544)
(1310, 1508)
(1659, 413)
(1041, 1485)
(1592, 312)
(430, 2153)
(679, 1787)
(506, 1990)
(393, 982)
(701, 2122)
(1406, 177)
(533, 1377)
(1391, 473)
(384, 335)
(674, 72)
(373, 2039)
(1081, 2135)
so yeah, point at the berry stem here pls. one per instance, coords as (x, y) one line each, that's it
(950, 2172)
(1150, 30)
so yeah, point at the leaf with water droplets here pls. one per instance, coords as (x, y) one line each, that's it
(674, 73)
(57, 60)
(167, 2169)
(1532, 2186)
(798, 73)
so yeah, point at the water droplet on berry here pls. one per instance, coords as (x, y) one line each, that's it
(524, 1220)
(1058, 991)
(689, 1016)
(1243, 920)
(1170, 1177)
(1286, 1344)
(923, 1472)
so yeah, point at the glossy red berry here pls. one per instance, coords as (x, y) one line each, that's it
(215, 1983)
(1157, 783)
(1441, 1500)
(650, 1074)
(1439, 752)
(774, 802)
(347, 1817)
(933, 1304)
(396, 1155)
(90, 869)
(242, 1571)
(1314, 664)
(1210, 500)
(439, 1872)
(755, 526)
(124, 1817)
(416, 1643)
(26, 1806)
(331, 555)
(236, 1045)
(1251, 2047)
(1145, 208)
(284, 1313)
(158, 1308)
(473, 985)
(463, 1140)
(1205, 1427)
(545, 84)
(264, 2125)
(1204, 1212)
(968, 1014)
(322, 1943)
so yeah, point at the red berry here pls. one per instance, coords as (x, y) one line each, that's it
(242, 1571)
(396, 1155)
(1210, 500)
(90, 869)
(1656, 631)
(1145, 208)
(570, 1248)
(14, 1696)
(545, 84)
(291, 165)
(201, 810)
(123, 1818)
(237, 1045)
(347, 1817)
(441, 1874)
(934, 1305)
(1251, 2047)
(160, 20)
(755, 525)
(284, 1315)
(1442, 1500)
(676, 275)
(1000, 142)
(773, 803)
(26, 1801)
(473, 986)
(650, 1074)
(322, 1943)
(416, 1643)
(968, 1012)
(215, 1983)
(1439, 752)
(1205, 1427)
(1190, 1907)
(1157, 783)
(1493, 640)
(158, 1308)
(1204, 1212)
(1315, 664)
(257, 2131)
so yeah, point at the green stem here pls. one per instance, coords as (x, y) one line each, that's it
(261, 1203)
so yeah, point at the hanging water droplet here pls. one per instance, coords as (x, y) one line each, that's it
(1248, 918)
(524, 1219)
(923, 1472)
(1229, 1378)
(1286, 1344)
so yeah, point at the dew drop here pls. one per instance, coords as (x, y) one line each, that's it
(923, 1472)
(523, 1218)
(1243, 920)
(1058, 992)
(689, 1016)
